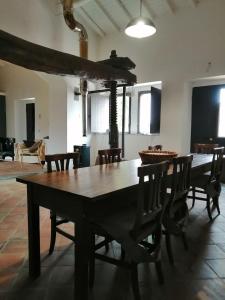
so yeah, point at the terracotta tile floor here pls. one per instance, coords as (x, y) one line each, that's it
(198, 273)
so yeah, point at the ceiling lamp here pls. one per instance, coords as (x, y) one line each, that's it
(140, 27)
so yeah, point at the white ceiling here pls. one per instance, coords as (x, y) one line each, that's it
(108, 16)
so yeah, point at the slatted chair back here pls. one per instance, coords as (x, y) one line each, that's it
(180, 183)
(108, 156)
(217, 164)
(204, 148)
(62, 161)
(156, 147)
(151, 198)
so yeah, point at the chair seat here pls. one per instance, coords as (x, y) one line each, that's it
(119, 227)
(201, 181)
(7, 153)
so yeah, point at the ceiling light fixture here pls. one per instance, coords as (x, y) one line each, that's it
(140, 27)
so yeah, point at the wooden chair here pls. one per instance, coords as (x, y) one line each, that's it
(156, 147)
(205, 148)
(107, 156)
(176, 214)
(208, 184)
(61, 163)
(132, 225)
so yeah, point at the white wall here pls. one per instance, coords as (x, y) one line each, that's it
(179, 52)
(42, 22)
(57, 115)
(19, 83)
(21, 118)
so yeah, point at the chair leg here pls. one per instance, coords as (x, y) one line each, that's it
(122, 257)
(92, 262)
(216, 203)
(208, 207)
(134, 281)
(193, 195)
(158, 266)
(169, 248)
(184, 238)
(53, 233)
(106, 245)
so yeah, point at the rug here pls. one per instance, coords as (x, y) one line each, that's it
(13, 169)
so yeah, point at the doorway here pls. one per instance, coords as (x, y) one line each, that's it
(25, 119)
(30, 121)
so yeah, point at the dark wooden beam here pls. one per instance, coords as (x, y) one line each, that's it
(38, 58)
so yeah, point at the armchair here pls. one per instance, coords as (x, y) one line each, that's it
(7, 147)
(37, 149)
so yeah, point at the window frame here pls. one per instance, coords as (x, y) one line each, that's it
(138, 110)
(129, 117)
(218, 116)
(128, 94)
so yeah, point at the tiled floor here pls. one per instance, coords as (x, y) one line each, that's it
(199, 273)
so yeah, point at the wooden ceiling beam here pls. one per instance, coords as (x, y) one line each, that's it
(43, 59)
(149, 9)
(109, 17)
(194, 3)
(79, 3)
(124, 8)
(170, 6)
(91, 22)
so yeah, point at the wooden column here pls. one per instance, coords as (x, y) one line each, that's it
(123, 121)
(113, 128)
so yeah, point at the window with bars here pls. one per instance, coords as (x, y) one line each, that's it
(100, 113)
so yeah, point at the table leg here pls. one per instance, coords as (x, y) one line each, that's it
(33, 234)
(82, 250)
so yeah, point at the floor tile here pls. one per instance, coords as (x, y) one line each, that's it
(218, 266)
(197, 274)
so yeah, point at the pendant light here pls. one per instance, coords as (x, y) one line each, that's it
(140, 27)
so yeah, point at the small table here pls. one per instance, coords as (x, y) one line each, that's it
(79, 195)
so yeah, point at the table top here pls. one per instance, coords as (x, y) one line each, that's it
(98, 181)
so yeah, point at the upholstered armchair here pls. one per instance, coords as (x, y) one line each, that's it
(37, 149)
(7, 147)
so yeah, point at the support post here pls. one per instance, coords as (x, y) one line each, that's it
(113, 133)
(123, 121)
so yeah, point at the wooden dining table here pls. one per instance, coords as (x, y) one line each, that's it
(81, 195)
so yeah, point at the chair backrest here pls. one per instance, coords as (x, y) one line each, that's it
(180, 181)
(156, 147)
(151, 198)
(62, 161)
(204, 148)
(108, 156)
(217, 163)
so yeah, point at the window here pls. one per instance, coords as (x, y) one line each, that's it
(120, 112)
(144, 112)
(100, 113)
(221, 123)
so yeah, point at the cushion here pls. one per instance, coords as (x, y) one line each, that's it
(35, 146)
(28, 143)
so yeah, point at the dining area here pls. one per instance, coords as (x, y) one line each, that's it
(126, 198)
(112, 226)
